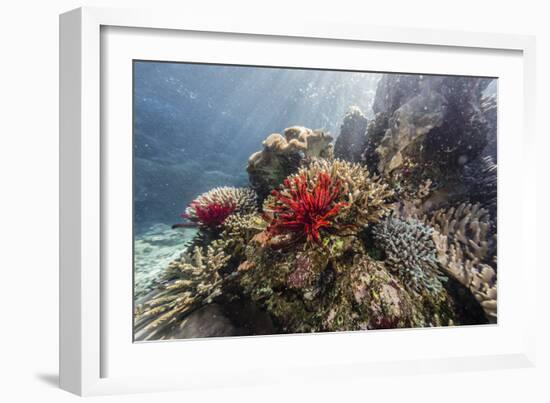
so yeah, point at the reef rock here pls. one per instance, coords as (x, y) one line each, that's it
(208, 321)
(480, 179)
(283, 154)
(375, 133)
(352, 138)
(433, 120)
(489, 109)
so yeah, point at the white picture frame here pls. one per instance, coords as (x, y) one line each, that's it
(85, 343)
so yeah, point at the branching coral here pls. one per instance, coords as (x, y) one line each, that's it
(190, 282)
(238, 230)
(211, 209)
(466, 251)
(410, 252)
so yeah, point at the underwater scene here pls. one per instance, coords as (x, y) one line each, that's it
(272, 200)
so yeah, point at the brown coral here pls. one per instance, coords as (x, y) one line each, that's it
(466, 251)
(283, 154)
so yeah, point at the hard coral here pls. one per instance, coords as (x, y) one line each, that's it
(211, 215)
(282, 155)
(368, 197)
(212, 208)
(302, 208)
(188, 284)
(467, 252)
(411, 252)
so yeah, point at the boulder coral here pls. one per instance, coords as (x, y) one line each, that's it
(282, 155)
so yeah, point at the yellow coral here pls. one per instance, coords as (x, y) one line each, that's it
(193, 281)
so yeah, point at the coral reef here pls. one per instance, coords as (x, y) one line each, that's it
(351, 141)
(211, 209)
(333, 195)
(340, 288)
(398, 229)
(283, 154)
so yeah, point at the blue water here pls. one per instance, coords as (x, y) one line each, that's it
(195, 125)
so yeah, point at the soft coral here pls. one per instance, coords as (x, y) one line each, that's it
(212, 214)
(303, 210)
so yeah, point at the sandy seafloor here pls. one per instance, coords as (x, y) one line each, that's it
(154, 248)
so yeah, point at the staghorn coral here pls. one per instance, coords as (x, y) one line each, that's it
(189, 283)
(467, 252)
(211, 209)
(410, 252)
(283, 154)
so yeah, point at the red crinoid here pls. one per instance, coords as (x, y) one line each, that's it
(211, 214)
(301, 210)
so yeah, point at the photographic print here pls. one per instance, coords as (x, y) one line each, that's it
(274, 200)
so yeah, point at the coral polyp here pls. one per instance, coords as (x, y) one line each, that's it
(302, 208)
